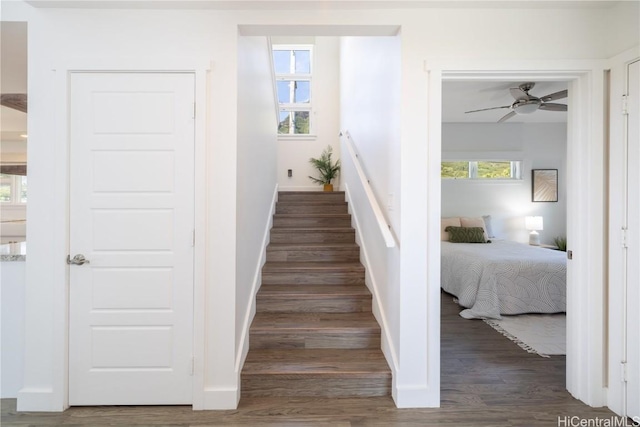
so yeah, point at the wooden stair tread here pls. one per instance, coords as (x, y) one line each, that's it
(315, 193)
(303, 229)
(314, 215)
(311, 246)
(317, 266)
(356, 322)
(323, 362)
(313, 291)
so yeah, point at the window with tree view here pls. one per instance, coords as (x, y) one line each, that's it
(293, 83)
(481, 169)
(13, 189)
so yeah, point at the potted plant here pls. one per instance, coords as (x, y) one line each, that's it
(327, 169)
(561, 243)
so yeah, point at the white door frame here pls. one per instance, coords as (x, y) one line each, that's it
(60, 213)
(586, 322)
(617, 202)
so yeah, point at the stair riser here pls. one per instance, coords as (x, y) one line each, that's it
(311, 209)
(314, 305)
(333, 197)
(312, 222)
(320, 236)
(329, 255)
(298, 385)
(316, 278)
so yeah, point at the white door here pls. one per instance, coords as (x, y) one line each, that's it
(131, 215)
(633, 250)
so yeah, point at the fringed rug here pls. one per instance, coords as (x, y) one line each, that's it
(543, 334)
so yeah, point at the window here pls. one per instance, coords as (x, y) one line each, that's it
(481, 169)
(13, 189)
(293, 83)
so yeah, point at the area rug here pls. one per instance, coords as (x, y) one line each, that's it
(543, 334)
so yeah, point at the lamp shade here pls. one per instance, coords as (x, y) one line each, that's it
(533, 223)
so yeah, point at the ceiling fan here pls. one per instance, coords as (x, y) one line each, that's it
(527, 104)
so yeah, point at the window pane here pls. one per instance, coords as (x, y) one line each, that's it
(301, 119)
(494, 170)
(454, 170)
(303, 61)
(301, 90)
(23, 189)
(5, 188)
(284, 124)
(283, 91)
(282, 61)
(294, 122)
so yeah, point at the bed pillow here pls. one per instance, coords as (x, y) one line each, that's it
(466, 235)
(475, 222)
(446, 222)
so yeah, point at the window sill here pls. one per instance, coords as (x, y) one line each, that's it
(297, 137)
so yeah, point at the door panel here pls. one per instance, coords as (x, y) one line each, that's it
(131, 216)
(633, 250)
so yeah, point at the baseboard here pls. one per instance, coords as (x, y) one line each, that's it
(387, 349)
(38, 400)
(243, 348)
(220, 399)
(414, 397)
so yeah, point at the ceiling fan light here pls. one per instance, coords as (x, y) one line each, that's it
(526, 107)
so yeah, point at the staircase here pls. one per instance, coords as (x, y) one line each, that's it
(313, 333)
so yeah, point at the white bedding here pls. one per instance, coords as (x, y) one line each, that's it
(504, 277)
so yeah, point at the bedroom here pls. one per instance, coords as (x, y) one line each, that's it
(521, 144)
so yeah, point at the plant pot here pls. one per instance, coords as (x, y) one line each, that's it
(328, 187)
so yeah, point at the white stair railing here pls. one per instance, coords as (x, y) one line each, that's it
(383, 224)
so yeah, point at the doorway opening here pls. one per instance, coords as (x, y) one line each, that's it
(585, 327)
(490, 153)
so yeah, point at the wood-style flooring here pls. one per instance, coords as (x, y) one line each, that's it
(486, 381)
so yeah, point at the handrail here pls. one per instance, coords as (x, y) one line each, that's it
(385, 228)
(273, 81)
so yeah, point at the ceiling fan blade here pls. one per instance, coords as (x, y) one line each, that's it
(518, 93)
(507, 116)
(486, 109)
(556, 95)
(550, 106)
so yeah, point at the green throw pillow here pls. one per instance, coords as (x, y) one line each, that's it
(466, 234)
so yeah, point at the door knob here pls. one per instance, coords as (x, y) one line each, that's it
(77, 260)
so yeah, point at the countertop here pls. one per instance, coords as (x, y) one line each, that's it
(13, 251)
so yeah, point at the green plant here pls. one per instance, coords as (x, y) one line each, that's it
(561, 243)
(327, 169)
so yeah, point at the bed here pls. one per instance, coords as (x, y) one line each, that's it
(503, 277)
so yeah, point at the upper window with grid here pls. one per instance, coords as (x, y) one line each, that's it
(293, 71)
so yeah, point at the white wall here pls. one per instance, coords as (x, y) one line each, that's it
(538, 145)
(61, 39)
(370, 81)
(12, 279)
(293, 152)
(256, 175)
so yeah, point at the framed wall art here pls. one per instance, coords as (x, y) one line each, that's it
(544, 185)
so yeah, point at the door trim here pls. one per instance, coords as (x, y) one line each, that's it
(585, 346)
(58, 396)
(616, 397)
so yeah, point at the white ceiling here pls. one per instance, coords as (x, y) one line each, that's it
(13, 77)
(461, 96)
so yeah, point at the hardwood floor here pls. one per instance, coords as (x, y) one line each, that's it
(486, 381)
